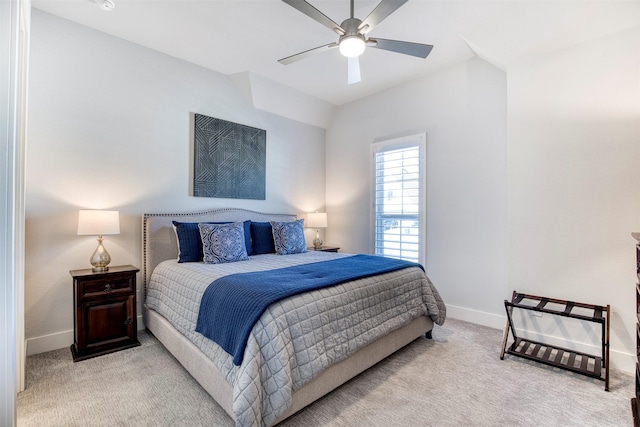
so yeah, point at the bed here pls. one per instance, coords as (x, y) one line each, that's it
(287, 364)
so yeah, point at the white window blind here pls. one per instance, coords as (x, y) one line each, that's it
(397, 200)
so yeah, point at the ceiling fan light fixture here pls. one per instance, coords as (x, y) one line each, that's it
(352, 46)
(352, 34)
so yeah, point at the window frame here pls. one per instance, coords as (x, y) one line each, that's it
(419, 140)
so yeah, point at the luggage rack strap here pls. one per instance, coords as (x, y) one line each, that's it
(566, 311)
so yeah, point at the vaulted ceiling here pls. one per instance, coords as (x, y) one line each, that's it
(236, 36)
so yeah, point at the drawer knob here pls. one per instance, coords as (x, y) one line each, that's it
(108, 287)
(128, 321)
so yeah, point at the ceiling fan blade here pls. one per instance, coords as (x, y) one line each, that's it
(316, 15)
(353, 70)
(380, 13)
(408, 48)
(302, 55)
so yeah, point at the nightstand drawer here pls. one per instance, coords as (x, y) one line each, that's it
(115, 286)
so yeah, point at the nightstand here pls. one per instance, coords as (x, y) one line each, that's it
(324, 249)
(104, 311)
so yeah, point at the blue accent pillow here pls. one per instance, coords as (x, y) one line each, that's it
(223, 242)
(288, 237)
(190, 242)
(262, 238)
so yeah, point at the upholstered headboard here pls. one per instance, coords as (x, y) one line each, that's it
(159, 241)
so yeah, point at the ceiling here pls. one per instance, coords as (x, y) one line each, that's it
(236, 36)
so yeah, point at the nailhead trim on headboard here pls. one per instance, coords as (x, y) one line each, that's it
(168, 248)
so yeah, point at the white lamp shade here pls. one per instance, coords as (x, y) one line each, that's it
(98, 222)
(317, 220)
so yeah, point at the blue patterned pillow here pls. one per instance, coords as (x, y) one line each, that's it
(190, 242)
(288, 237)
(223, 242)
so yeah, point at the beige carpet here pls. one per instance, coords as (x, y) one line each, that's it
(456, 379)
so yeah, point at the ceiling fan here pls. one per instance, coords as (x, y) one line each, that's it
(353, 35)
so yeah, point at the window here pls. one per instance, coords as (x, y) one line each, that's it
(398, 202)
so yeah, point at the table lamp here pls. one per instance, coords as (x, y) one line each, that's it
(317, 220)
(98, 223)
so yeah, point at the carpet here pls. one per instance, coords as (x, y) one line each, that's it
(455, 379)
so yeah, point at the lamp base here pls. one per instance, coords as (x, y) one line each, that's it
(317, 242)
(100, 258)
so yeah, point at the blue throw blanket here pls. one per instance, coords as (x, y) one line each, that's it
(231, 305)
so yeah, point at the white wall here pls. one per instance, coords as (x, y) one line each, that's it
(462, 109)
(533, 183)
(574, 179)
(109, 129)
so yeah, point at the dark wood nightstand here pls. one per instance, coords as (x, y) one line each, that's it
(324, 249)
(105, 311)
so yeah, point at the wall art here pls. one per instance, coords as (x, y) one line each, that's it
(229, 159)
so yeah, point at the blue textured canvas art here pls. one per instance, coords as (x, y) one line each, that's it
(229, 159)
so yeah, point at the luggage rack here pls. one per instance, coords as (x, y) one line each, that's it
(574, 361)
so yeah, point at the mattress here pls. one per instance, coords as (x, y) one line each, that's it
(296, 338)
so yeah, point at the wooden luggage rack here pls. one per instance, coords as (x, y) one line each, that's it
(581, 363)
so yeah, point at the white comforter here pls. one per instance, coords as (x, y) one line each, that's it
(296, 338)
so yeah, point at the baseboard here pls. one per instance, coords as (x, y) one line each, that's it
(50, 342)
(58, 340)
(478, 317)
(620, 360)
